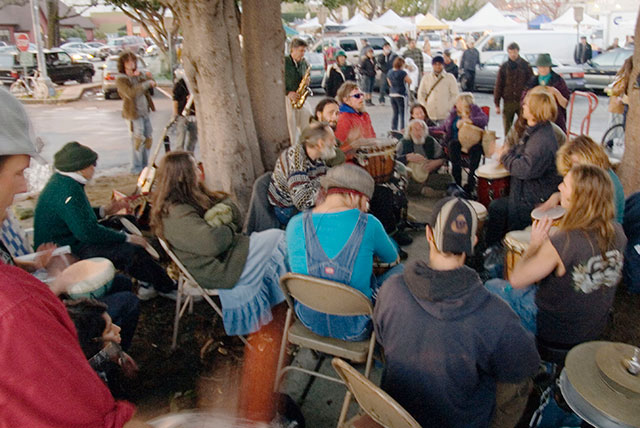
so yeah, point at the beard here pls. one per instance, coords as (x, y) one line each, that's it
(328, 153)
(419, 141)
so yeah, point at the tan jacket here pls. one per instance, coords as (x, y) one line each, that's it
(443, 96)
(129, 89)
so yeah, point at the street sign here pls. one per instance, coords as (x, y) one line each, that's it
(578, 13)
(22, 41)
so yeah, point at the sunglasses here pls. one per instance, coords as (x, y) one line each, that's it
(358, 96)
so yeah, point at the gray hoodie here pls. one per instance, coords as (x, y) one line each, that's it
(447, 341)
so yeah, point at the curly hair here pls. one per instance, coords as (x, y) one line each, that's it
(125, 57)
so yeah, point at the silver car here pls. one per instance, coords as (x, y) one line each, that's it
(487, 73)
(601, 70)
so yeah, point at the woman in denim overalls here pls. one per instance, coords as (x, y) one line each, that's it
(340, 241)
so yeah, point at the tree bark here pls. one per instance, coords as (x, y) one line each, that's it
(263, 39)
(53, 24)
(629, 172)
(213, 65)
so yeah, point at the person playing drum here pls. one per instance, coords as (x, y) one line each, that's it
(463, 112)
(531, 164)
(583, 150)
(577, 267)
(337, 240)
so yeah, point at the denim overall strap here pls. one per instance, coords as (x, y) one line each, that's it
(340, 268)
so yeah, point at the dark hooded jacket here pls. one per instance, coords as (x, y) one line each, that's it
(447, 341)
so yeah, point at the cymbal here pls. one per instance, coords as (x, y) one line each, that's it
(597, 383)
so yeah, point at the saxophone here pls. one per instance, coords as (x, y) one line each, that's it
(303, 90)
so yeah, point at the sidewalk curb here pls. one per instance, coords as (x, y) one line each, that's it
(74, 93)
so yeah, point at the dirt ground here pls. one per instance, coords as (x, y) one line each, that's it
(204, 370)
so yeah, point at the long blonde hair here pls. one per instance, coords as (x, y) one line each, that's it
(591, 206)
(587, 151)
(177, 183)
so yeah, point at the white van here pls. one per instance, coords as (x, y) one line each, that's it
(560, 44)
(353, 44)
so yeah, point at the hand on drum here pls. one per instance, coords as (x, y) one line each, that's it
(540, 231)
(116, 205)
(553, 201)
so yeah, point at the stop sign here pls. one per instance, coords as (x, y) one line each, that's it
(22, 41)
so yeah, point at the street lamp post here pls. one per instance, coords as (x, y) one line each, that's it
(43, 79)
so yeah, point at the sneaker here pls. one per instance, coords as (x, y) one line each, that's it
(146, 293)
(173, 295)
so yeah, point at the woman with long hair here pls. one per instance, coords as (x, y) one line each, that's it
(577, 266)
(583, 150)
(203, 229)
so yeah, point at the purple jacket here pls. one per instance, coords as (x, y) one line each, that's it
(478, 118)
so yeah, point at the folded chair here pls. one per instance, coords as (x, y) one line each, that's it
(332, 298)
(376, 403)
(188, 289)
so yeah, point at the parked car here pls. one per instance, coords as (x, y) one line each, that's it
(110, 73)
(135, 44)
(96, 49)
(101, 50)
(435, 40)
(487, 73)
(60, 67)
(78, 55)
(601, 70)
(352, 45)
(316, 61)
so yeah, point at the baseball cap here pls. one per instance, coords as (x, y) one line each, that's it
(437, 58)
(454, 224)
(16, 133)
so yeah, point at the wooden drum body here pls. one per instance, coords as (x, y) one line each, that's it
(493, 182)
(516, 243)
(377, 156)
(481, 213)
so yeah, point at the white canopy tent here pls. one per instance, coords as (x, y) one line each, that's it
(488, 18)
(566, 21)
(395, 22)
(314, 25)
(357, 19)
(369, 28)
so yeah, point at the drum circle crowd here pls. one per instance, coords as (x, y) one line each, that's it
(546, 209)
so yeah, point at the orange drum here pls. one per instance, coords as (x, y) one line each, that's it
(516, 243)
(493, 182)
(377, 156)
(555, 213)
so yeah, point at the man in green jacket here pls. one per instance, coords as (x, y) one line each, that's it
(64, 216)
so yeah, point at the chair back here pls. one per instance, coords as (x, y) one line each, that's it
(373, 400)
(486, 110)
(325, 296)
(174, 258)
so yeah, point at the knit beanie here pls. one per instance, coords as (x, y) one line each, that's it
(74, 157)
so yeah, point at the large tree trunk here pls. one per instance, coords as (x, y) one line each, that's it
(213, 65)
(629, 171)
(263, 40)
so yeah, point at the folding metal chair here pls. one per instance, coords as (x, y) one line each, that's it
(188, 288)
(376, 403)
(332, 298)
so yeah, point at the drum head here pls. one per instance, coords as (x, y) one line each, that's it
(518, 239)
(598, 388)
(202, 420)
(91, 278)
(553, 213)
(481, 210)
(492, 170)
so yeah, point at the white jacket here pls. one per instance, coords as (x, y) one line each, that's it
(443, 96)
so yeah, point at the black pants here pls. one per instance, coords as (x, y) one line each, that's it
(397, 104)
(455, 155)
(131, 259)
(384, 206)
(470, 80)
(503, 218)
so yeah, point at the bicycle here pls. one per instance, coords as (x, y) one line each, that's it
(29, 86)
(613, 139)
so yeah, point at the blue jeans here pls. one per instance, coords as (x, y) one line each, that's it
(384, 87)
(522, 301)
(141, 137)
(284, 214)
(369, 83)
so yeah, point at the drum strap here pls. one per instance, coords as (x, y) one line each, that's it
(438, 80)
